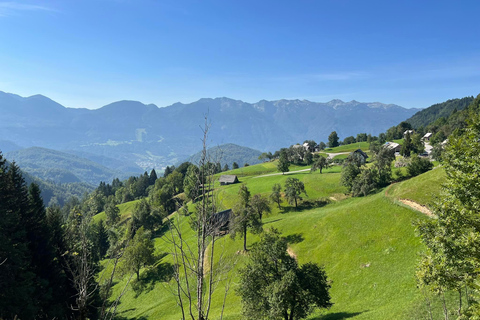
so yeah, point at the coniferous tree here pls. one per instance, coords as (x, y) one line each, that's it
(244, 216)
(333, 140)
(283, 162)
(152, 178)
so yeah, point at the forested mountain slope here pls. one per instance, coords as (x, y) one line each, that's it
(428, 115)
(61, 167)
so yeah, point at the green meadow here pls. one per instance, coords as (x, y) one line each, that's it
(422, 189)
(367, 245)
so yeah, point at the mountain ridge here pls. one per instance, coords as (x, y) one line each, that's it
(149, 136)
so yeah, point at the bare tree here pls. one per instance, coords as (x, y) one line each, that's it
(83, 269)
(197, 274)
(79, 262)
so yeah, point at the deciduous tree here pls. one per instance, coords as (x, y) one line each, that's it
(260, 205)
(319, 164)
(276, 195)
(139, 253)
(274, 286)
(293, 189)
(451, 262)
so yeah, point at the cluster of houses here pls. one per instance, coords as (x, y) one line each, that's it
(397, 147)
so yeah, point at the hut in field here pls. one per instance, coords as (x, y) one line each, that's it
(228, 179)
(219, 222)
(393, 146)
(359, 153)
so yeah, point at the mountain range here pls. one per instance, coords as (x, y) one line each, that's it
(134, 137)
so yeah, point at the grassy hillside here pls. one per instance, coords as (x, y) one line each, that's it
(230, 153)
(260, 169)
(354, 146)
(422, 189)
(349, 147)
(367, 246)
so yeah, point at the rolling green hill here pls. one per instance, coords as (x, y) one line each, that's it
(422, 189)
(229, 153)
(367, 245)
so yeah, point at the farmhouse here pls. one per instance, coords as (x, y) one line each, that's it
(427, 136)
(219, 222)
(360, 153)
(228, 179)
(410, 132)
(393, 146)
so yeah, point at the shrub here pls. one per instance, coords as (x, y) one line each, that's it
(418, 166)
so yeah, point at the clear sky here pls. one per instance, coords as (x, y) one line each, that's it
(88, 53)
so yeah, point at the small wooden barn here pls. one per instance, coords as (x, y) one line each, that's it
(228, 179)
(360, 153)
(393, 146)
(219, 222)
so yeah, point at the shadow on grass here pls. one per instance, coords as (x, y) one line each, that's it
(294, 238)
(307, 205)
(162, 272)
(160, 231)
(338, 316)
(129, 318)
(272, 221)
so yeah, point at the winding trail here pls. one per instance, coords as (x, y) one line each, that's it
(333, 155)
(412, 204)
(417, 206)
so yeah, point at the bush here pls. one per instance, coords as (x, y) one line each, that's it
(418, 166)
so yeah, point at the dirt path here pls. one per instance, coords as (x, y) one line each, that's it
(333, 155)
(291, 253)
(417, 206)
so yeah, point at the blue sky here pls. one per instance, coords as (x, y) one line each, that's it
(88, 53)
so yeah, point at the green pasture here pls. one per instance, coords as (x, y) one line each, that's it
(367, 246)
(422, 189)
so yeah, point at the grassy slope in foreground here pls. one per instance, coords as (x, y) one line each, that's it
(422, 189)
(345, 237)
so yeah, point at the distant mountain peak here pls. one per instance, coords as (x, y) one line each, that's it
(335, 103)
(127, 106)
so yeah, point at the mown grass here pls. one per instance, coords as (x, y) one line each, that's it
(259, 169)
(367, 245)
(349, 147)
(422, 189)
(126, 210)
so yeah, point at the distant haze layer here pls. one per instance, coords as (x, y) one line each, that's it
(145, 136)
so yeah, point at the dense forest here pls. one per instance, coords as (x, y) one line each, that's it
(440, 110)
